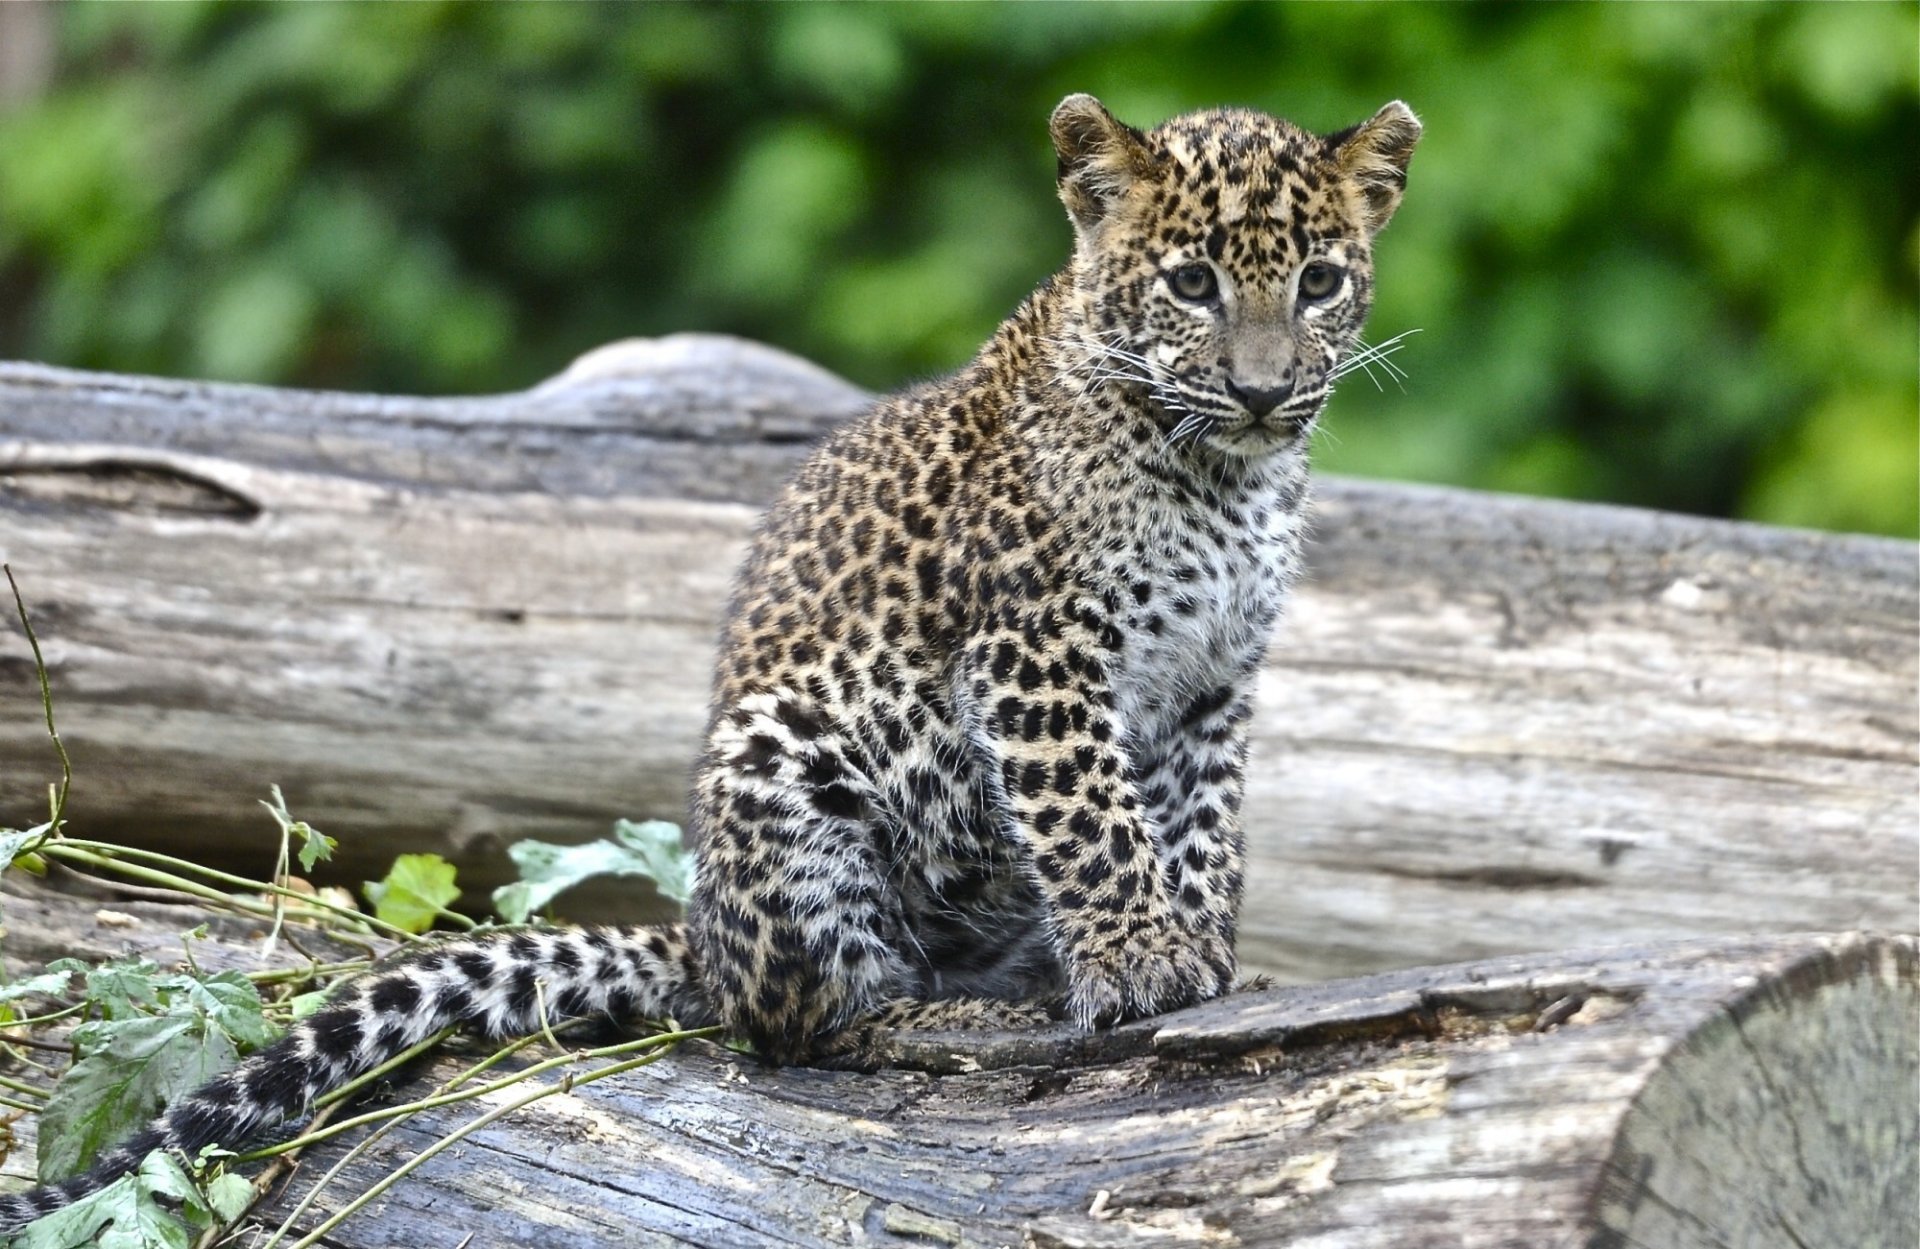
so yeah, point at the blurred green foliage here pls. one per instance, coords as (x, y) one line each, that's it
(1663, 254)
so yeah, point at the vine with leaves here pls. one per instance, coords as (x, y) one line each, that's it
(91, 1052)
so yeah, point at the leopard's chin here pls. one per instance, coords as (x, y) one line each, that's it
(1273, 434)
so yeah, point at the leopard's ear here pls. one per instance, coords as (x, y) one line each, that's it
(1101, 158)
(1372, 157)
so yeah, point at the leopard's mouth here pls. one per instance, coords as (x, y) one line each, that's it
(1281, 427)
(1270, 435)
(1196, 419)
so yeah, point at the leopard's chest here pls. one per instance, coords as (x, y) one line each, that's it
(1200, 600)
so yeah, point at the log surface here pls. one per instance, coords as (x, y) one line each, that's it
(1705, 1094)
(1489, 724)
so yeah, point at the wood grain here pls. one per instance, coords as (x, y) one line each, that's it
(1732, 1092)
(1489, 724)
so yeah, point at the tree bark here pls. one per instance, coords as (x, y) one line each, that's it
(1752, 1092)
(1489, 724)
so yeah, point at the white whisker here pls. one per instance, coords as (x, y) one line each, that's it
(1372, 354)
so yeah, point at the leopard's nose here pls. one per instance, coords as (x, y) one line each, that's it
(1260, 400)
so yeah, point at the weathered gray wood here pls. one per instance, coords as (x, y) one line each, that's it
(1752, 1092)
(1491, 724)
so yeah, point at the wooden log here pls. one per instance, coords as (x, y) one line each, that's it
(1748, 1092)
(1490, 724)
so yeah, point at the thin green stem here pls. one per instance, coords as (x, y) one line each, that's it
(282, 865)
(312, 971)
(372, 1138)
(269, 1176)
(70, 851)
(540, 1007)
(478, 1090)
(105, 854)
(34, 1021)
(465, 922)
(495, 1059)
(446, 1142)
(300, 900)
(59, 803)
(398, 1061)
(360, 942)
(18, 1052)
(22, 1087)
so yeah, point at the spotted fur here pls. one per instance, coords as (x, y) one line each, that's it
(979, 721)
(978, 727)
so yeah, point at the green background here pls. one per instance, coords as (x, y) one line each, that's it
(1661, 254)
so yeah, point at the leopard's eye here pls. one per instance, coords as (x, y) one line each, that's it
(1318, 280)
(1195, 282)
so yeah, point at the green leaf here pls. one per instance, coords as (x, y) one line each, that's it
(11, 842)
(126, 1214)
(231, 1003)
(121, 989)
(131, 1062)
(657, 848)
(229, 1195)
(651, 849)
(315, 846)
(129, 1069)
(515, 902)
(415, 892)
(162, 1175)
(306, 1004)
(50, 984)
(78, 1225)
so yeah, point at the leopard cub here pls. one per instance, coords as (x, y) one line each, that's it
(979, 723)
(979, 720)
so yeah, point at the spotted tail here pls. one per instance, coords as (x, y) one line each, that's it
(497, 984)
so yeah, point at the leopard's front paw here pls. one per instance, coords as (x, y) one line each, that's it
(1146, 973)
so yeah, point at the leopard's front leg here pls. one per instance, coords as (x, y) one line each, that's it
(1192, 787)
(1045, 716)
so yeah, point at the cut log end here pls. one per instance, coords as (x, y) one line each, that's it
(1792, 1117)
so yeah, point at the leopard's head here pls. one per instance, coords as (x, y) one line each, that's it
(1223, 262)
